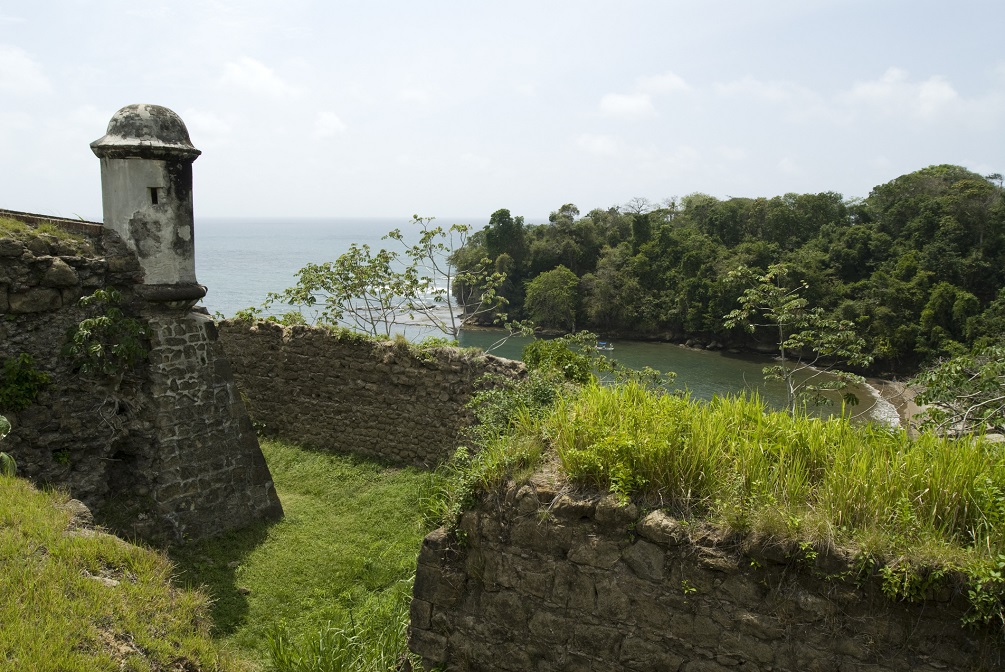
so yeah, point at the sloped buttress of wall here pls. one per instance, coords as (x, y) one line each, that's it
(167, 453)
(535, 580)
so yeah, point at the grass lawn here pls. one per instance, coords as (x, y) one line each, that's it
(343, 557)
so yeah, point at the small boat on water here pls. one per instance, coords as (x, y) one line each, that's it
(604, 345)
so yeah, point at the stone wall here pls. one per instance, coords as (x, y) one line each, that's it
(346, 393)
(539, 580)
(166, 452)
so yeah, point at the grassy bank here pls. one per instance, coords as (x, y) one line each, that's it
(327, 588)
(923, 510)
(337, 568)
(78, 601)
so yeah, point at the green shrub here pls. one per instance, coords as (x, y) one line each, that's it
(109, 344)
(20, 383)
(8, 467)
(557, 355)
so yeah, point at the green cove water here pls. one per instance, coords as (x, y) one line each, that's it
(241, 260)
(704, 373)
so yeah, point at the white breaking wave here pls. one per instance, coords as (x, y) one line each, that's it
(882, 411)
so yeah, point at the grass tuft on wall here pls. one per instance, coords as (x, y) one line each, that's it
(18, 230)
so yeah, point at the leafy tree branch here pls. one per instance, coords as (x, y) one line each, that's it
(810, 344)
(965, 394)
(374, 291)
(459, 296)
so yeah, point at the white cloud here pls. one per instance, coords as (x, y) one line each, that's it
(87, 117)
(255, 77)
(410, 95)
(732, 153)
(934, 95)
(206, 127)
(681, 160)
(770, 92)
(20, 75)
(895, 95)
(639, 104)
(13, 122)
(328, 124)
(789, 166)
(669, 82)
(147, 12)
(525, 89)
(601, 145)
(475, 161)
(796, 103)
(892, 96)
(627, 106)
(881, 163)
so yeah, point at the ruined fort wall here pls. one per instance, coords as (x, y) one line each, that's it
(537, 580)
(345, 393)
(166, 451)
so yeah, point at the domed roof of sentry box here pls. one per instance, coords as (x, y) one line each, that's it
(146, 132)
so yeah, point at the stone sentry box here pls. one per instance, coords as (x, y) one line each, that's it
(146, 190)
(210, 473)
(166, 452)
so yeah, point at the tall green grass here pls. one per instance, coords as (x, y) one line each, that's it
(829, 478)
(916, 506)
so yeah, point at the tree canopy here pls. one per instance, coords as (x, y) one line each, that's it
(553, 299)
(918, 266)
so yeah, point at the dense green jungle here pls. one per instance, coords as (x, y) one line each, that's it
(918, 266)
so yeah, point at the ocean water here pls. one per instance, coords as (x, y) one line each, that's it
(242, 260)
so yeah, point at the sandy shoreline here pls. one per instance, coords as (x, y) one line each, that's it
(901, 396)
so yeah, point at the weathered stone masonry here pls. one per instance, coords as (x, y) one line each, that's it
(543, 581)
(355, 395)
(169, 455)
(164, 451)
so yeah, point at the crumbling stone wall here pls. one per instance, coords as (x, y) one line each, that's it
(167, 452)
(347, 393)
(539, 580)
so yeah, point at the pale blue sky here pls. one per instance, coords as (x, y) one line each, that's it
(450, 109)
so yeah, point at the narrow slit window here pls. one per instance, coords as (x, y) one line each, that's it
(153, 196)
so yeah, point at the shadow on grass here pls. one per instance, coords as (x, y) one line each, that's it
(213, 565)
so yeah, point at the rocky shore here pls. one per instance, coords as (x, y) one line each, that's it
(902, 397)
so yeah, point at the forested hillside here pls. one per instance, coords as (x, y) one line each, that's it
(918, 265)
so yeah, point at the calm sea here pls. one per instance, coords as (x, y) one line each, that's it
(242, 260)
